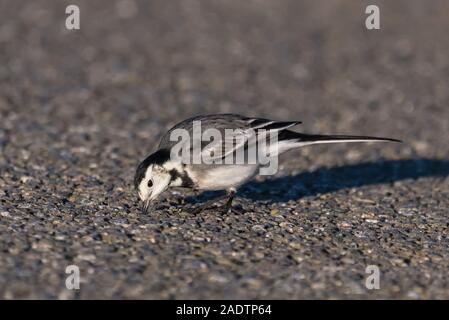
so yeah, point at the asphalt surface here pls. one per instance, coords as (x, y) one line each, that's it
(80, 109)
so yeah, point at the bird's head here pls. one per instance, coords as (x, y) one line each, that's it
(152, 177)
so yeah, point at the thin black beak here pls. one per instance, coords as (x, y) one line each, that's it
(145, 206)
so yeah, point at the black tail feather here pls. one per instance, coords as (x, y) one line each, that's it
(303, 137)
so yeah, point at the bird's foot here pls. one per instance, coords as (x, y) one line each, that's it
(224, 209)
(198, 209)
(238, 210)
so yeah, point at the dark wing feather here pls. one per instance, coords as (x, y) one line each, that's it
(245, 127)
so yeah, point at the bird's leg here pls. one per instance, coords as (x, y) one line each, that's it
(208, 204)
(230, 195)
(228, 205)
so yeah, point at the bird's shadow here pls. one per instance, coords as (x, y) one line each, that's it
(324, 180)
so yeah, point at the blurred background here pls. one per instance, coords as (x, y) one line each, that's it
(80, 108)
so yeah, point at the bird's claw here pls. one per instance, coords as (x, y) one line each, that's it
(223, 209)
(195, 210)
(235, 210)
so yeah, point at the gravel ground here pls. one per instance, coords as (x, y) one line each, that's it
(80, 109)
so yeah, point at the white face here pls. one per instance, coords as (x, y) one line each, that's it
(155, 182)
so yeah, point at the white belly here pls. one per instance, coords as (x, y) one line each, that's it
(221, 177)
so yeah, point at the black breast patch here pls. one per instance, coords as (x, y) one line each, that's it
(185, 179)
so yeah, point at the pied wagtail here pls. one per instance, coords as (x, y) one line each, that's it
(159, 171)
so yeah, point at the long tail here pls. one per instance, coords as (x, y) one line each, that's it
(293, 139)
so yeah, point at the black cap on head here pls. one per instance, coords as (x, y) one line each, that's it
(159, 157)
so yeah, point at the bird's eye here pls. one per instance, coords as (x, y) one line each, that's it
(150, 183)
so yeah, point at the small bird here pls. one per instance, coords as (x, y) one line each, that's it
(160, 170)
